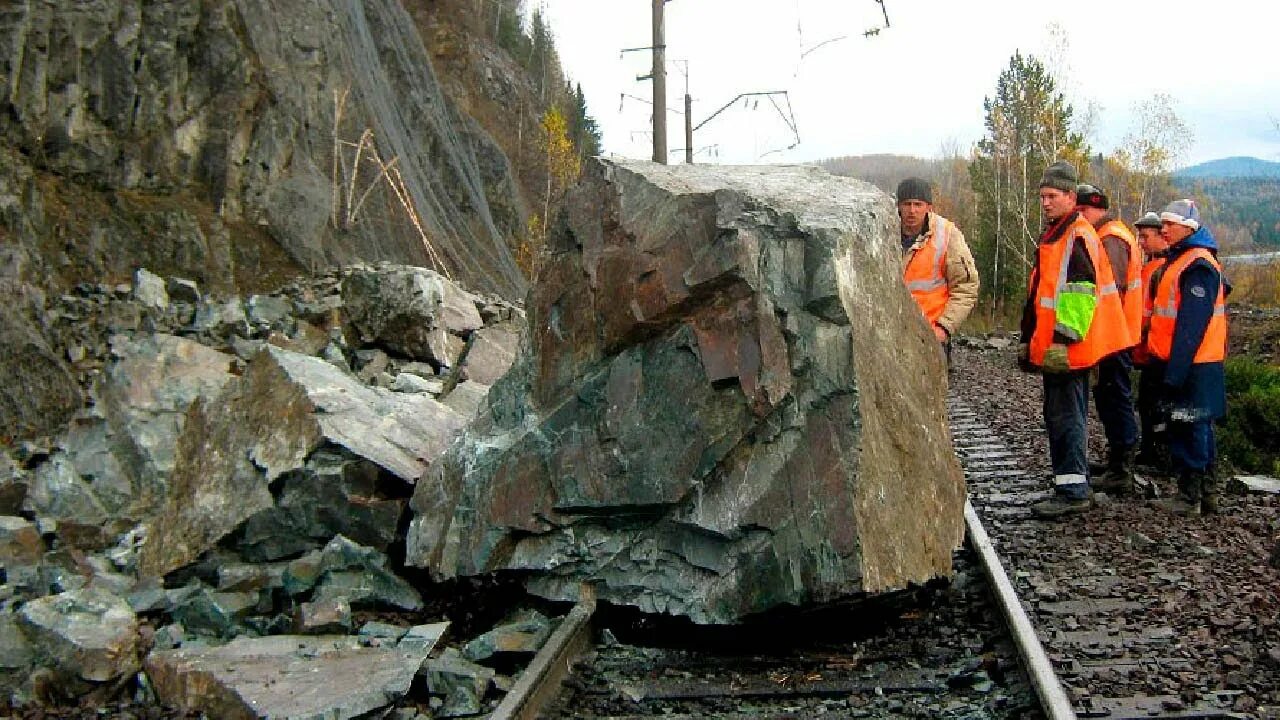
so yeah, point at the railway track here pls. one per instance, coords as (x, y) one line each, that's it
(988, 644)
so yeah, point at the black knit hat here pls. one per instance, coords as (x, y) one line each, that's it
(1090, 196)
(1061, 176)
(914, 188)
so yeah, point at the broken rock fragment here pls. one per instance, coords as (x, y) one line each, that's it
(88, 633)
(728, 402)
(284, 676)
(267, 423)
(412, 311)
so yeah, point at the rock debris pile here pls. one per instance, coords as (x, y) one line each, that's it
(217, 525)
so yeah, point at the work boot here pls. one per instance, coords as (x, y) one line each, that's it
(1210, 490)
(1187, 502)
(1060, 506)
(1118, 477)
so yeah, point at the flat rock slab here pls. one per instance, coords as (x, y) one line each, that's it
(267, 423)
(727, 402)
(89, 633)
(285, 676)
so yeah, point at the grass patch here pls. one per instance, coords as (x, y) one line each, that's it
(1247, 437)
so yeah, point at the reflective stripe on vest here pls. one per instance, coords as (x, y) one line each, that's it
(1132, 281)
(1164, 312)
(1108, 333)
(925, 274)
(1141, 355)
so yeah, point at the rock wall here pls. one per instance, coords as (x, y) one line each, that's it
(171, 135)
(728, 402)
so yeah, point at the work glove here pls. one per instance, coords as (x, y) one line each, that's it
(1024, 358)
(941, 333)
(1055, 359)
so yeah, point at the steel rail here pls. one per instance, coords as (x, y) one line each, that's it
(1048, 687)
(541, 680)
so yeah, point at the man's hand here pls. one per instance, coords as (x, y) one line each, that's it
(941, 333)
(1024, 358)
(1055, 359)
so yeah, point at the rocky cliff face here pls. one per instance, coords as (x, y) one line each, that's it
(728, 403)
(235, 143)
(184, 131)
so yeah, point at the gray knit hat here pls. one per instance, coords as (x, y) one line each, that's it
(914, 188)
(1150, 220)
(1061, 176)
(1183, 212)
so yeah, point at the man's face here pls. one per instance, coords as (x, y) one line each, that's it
(912, 213)
(1093, 215)
(1174, 233)
(1055, 203)
(1151, 240)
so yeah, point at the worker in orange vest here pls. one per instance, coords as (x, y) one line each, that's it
(1153, 453)
(1188, 338)
(1113, 393)
(1072, 319)
(937, 266)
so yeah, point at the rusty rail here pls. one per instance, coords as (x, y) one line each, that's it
(541, 680)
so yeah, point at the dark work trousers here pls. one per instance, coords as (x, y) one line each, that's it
(1113, 396)
(1154, 420)
(1191, 446)
(1066, 408)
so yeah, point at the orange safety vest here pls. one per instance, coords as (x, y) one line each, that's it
(1108, 333)
(1141, 356)
(1131, 285)
(925, 273)
(1164, 313)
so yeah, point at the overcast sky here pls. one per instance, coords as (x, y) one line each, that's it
(918, 86)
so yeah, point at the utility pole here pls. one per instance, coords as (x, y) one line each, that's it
(688, 127)
(659, 83)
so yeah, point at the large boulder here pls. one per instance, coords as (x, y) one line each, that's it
(413, 311)
(728, 402)
(266, 424)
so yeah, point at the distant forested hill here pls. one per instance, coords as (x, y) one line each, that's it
(1243, 209)
(1232, 167)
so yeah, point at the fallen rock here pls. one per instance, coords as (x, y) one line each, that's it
(323, 618)
(286, 676)
(492, 352)
(410, 383)
(20, 542)
(40, 393)
(461, 682)
(335, 493)
(88, 633)
(268, 311)
(412, 311)
(728, 402)
(359, 575)
(212, 613)
(13, 485)
(149, 289)
(424, 636)
(523, 634)
(151, 382)
(267, 423)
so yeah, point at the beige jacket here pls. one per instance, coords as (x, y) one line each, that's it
(961, 273)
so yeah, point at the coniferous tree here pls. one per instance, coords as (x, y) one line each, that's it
(1028, 124)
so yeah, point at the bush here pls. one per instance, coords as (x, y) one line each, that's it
(1248, 436)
